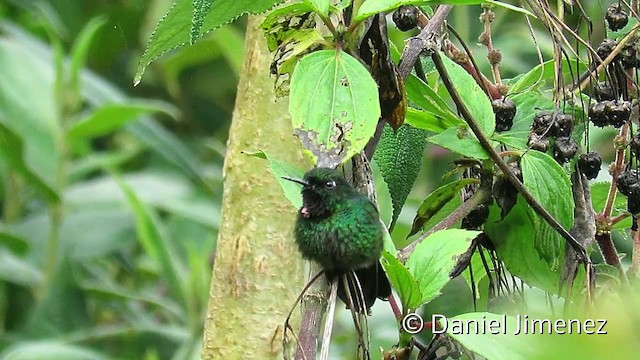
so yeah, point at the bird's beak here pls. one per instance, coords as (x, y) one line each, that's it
(296, 180)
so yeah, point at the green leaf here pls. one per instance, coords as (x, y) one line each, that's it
(18, 271)
(16, 158)
(334, 106)
(279, 169)
(200, 10)
(320, 6)
(13, 242)
(277, 27)
(49, 350)
(514, 240)
(422, 95)
(401, 281)
(435, 257)
(425, 120)
(545, 72)
(372, 7)
(175, 29)
(156, 244)
(28, 116)
(80, 51)
(551, 187)
(462, 141)
(111, 117)
(399, 156)
(499, 345)
(474, 98)
(436, 201)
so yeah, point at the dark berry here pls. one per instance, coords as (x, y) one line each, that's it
(635, 144)
(476, 217)
(504, 192)
(406, 17)
(538, 142)
(564, 149)
(505, 110)
(616, 17)
(603, 91)
(597, 114)
(562, 125)
(590, 164)
(629, 55)
(606, 47)
(542, 123)
(618, 112)
(629, 182)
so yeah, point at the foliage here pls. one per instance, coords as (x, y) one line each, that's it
(108, 217)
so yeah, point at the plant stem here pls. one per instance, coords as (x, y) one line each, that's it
(12, 208)
(542, 212)
(416, 44)
(635, 258)
(609, 251)
(479, 197)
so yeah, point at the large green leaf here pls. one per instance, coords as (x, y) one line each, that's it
(498, 342)
(513, 238)
(372, 7)
(423, 96)
(551, 187)
(399, 157)
(28, 116)
(279, 169)
(111, 117)
(402, 281)
(474, 98)
(462, 141)
(17, 270)
(436, 201)
(435, 257)
(14, 156)
(184, 24)
(200, 10)
(50, 350)
(334, 106)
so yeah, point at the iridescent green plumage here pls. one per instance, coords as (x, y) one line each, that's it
(341, 230)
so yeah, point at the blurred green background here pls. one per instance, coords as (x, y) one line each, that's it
(110, 194)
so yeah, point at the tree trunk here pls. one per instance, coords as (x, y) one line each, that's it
(257, 272)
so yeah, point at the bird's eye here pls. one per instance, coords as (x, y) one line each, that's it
(330, 184)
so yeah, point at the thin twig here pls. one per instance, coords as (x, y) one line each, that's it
(328, 323)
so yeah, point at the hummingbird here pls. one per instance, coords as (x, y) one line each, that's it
(340, 229)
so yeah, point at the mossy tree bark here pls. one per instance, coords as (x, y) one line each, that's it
(257, 272)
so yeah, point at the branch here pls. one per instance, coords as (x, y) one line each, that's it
(542, 212)
(479, 197)
(416, 44)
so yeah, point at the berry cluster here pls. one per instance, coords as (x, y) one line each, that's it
(505, 110)
(629, 185)
(547, 124)
(610, 112)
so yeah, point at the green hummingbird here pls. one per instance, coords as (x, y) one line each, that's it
(340, 229)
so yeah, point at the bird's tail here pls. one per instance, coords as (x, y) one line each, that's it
(368, 284)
